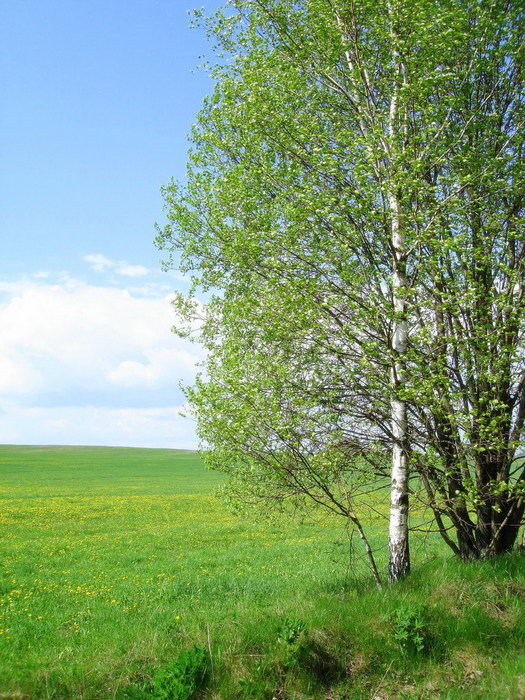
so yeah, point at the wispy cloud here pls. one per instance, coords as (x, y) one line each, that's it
(100, 263)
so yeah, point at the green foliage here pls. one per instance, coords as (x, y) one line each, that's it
(290, 631)
(331, 126)
(178, 680)
(411, 630)
(291, 640)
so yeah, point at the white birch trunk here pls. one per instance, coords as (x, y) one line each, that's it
(399, 555)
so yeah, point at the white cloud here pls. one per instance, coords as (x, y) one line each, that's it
(17, 375)
(100, 263)
(163, 365)
(131, 270)
(67, 346)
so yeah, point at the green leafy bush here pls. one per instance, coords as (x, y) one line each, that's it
(180, 679)
(411, 629)
(291, 630)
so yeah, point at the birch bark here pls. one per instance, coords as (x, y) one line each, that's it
(399, 553)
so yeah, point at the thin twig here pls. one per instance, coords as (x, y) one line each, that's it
(374, 694)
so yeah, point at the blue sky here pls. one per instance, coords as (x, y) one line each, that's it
(98, 97)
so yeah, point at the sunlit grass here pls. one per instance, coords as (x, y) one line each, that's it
(115, 560)
(129, 551)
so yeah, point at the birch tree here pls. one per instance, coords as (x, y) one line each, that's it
(354, 209)
(468, 403)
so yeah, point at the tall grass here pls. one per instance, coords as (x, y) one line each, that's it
(122, 576)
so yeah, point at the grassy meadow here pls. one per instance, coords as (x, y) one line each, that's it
(123, 576)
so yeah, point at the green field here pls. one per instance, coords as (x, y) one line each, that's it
(115, 560)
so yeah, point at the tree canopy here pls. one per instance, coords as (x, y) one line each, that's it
(354, 210)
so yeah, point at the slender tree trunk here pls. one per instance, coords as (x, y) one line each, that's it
(369, 553)
(399, 555)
